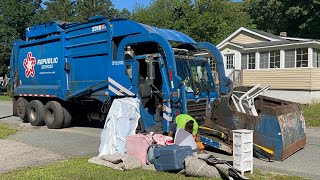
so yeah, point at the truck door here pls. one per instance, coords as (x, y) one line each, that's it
(123, 81)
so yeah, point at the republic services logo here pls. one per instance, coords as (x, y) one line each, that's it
(28, 64)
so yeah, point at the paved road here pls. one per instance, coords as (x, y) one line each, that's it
(74, 141)
(17, 155)
(84, 141)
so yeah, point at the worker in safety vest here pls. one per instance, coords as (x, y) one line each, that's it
(185, 122)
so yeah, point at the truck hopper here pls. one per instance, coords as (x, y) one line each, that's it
(279, 126)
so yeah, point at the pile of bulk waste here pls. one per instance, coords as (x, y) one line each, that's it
(122, 149)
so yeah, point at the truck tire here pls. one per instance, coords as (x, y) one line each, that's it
(53, 115)
(36, 113)
(67, 118)
(22, 105)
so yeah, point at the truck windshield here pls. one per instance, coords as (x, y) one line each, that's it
(194, 75)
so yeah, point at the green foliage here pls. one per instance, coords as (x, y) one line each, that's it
(15, 16)
(89, 8)
(204, 20)
(298, 18)
(63, 10)
(5, 130)
(124, 14)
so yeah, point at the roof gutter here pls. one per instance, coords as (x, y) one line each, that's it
(271, 46)
(283, 45)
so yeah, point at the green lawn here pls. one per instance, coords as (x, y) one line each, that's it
(6, 131)
(79, 168)
(260, 175)
(312, 115)
(5, 98)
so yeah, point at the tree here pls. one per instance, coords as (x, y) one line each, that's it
(203, 20)
(63, 10)
(17, 14)
(15, 17)
(163, 13)
(214, 20)
(89, 8)
(297, 18)
(124, 14)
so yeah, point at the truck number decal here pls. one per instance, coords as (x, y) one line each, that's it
(98, 28)
(117, 63)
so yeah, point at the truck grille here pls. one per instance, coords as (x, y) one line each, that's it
(197, 109)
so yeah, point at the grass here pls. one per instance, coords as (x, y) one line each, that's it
(5, 98)
(80, 168)
(6, 131)
(312, 115)
(260, 175)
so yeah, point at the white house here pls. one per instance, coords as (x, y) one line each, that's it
(289, 65)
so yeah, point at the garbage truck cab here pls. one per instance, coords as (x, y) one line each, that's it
(172, 73)
(80, 68)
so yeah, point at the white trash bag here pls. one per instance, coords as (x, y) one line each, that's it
(122, 120)
(184, 138)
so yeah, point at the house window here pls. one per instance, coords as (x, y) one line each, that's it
(302, 57)
(244, 61)
(289, 59)
(264, 60)
(213, 64)
(252, 61)
(275, 59)
(316, 57)
(230, 61)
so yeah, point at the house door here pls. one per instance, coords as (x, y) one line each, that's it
(229, 64)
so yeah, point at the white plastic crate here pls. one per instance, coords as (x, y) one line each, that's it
(243, 150)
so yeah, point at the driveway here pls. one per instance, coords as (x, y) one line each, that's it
(33, 146)
(84, 141)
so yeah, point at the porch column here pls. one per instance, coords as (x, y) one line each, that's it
(282, 58)
(257, 60)
(310, 57)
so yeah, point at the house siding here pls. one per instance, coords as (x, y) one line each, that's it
(315, 79)
(246, 38)
(290, 79)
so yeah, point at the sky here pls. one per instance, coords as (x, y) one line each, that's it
(129, 4)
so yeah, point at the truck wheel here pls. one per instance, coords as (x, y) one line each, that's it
(36, 113)
(22, 105)
(53, 115)
(67, 118)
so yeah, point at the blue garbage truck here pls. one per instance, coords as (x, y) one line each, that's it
(67, 71)
(63, 70)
